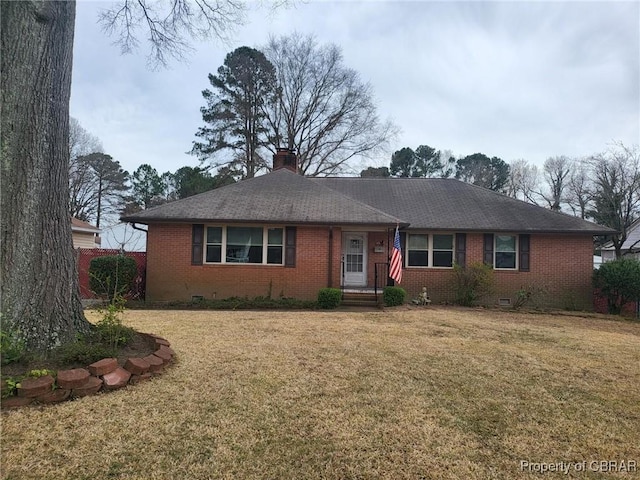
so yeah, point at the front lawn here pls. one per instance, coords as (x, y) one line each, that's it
(440, 393)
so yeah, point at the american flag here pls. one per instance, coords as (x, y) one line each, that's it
(395, 267)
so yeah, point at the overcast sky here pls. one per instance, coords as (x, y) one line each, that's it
(515, 80)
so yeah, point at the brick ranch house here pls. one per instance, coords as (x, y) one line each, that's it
(283, 234)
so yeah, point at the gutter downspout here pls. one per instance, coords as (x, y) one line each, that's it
(330, 272)
(133, 225)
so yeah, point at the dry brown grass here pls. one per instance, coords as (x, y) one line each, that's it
(408, 393)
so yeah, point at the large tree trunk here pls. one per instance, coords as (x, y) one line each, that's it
(39, 291)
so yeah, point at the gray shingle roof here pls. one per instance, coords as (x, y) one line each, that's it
(422, 203)
(278, 197)
(449, 204)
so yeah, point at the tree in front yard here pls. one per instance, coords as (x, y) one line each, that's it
(619, 282)
(39, 295)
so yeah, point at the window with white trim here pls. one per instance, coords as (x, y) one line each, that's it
(213, 251)
(429, 250)
(417, 250)
(275, 245)
(244, 245)
(506, 252)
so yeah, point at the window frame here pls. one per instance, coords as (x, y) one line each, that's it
(224, 244)
(430, 249)
(516, 251)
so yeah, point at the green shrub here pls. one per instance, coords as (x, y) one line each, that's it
(472, 283)
(235, 303)
(112, 275)
(329, 298)
(619, 282)
(393, 296)
(12, 347)
(83, 350)
(110, 330)
(36, 373)
(10, 386)
(105, 339)
(529, 294)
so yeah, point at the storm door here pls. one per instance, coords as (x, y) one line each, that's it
(354, 259)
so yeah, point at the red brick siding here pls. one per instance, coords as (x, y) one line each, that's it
(172, 277)
(379, 257)
(561, 264)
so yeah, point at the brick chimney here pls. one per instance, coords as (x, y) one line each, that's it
(285, 158)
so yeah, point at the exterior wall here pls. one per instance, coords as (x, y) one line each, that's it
(84, 240)
(382, 239)
(610, 255)
(561, 266)
(560, 274)
(170, 275)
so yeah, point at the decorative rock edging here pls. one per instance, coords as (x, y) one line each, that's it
(103, 375)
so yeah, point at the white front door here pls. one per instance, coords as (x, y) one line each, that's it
(354, 257)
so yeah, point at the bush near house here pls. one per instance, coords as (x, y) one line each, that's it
(393, 296)
(112, 275)
(329, 298)
(619, 282)
(471, 283)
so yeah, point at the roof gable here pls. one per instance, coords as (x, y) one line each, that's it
(78, 225)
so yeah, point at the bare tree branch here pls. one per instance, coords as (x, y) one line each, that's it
(616, 175)
(325, 111)
(170, 24)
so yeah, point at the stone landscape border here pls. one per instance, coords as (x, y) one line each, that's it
(103, 375)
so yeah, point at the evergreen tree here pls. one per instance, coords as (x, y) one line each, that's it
(147, 186)
(235, 118)
(478, 169)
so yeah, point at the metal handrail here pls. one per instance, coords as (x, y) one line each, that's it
(381, 271)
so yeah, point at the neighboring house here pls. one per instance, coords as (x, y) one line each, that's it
(630, 248)
(84, 234)
(282, 234)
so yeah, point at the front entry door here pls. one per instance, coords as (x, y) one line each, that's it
(354, 257)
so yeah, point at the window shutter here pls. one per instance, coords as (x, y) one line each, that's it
(197, 239)
(488, 249)
(403, 247)
(525, 252)
(290, 247)
(461, 249)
